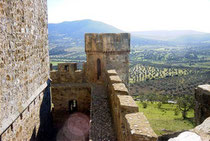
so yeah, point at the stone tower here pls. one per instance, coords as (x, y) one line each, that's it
(107, 51)
(25, 101)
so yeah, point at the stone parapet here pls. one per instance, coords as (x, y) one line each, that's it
(115, 79)
(107, 42)
(202, 103)
(138, 128)
(127, 104)
(68, 73)
(67, 67)
(119, 88)
(130, 125)
(111, 72)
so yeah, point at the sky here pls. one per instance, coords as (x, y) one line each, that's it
(135, 15)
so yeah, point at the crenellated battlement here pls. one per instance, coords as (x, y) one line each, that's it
(107, 42)
(99, 90)
(67, 67)
(129, 123)
(68, 72)
(107, 51)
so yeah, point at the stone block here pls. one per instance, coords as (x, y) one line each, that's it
(127, 104)
(119, 88)
(138, 128)
(202, 103)
(115, 79)
(111, 72)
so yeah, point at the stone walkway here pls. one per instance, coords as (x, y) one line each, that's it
(100, 115)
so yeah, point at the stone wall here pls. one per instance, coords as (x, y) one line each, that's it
(69, 84)
(202, 103)
(68, 73)
(61, 98)
(113, 52)
(34, 123)
(24, 64)
(130, 124)
(199, 133)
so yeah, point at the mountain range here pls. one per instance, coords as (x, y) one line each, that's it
(71, 34)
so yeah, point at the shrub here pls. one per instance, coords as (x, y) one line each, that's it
(159, 105)
(144, 104)
(176, 111)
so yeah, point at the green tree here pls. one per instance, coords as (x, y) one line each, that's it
(185, 103)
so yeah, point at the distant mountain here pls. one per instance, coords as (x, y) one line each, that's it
(166, 34)
(193, 39)
(77, 29)
(70, 34)
(65, 35)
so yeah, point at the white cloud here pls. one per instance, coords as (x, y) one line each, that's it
(136, 15)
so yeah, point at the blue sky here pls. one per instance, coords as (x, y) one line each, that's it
(135, 15)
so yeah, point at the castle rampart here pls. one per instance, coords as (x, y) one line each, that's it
(92, 86)
(129, 123)
(99, 90)
(68, 73)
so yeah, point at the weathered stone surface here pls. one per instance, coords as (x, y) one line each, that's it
(203, 130)
(68, 73)
(186, 136)
(111, 50)
(205, 88)
(202, 103)
(67, 67)
(120, 88)
(24, 67)
(115, 79)
(121, 105)
(199, 133)
(138, 128)
(107, 42)
(127, 104)
(61, 96)
(111, 72)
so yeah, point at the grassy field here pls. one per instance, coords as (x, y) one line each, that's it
(164, 120)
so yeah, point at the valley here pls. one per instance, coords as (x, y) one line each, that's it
(165, 66)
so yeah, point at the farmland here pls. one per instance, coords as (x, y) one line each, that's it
(161, 118)
(162, 70)
(142, 72)
(170, 72)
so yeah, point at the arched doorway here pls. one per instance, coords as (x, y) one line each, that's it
(98, 68)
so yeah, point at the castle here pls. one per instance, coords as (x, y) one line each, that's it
(35, 99)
